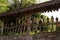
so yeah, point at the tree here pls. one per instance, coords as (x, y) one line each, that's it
(3, 5)
(17, 4)
(25, 3)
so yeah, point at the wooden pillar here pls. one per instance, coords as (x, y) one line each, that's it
(36, 24)
(52, 19)
(25, 23)
(2, 27)
(57, 24)
(32, 24)
(42, 18)
(47, 23)
(18, 21)
(42, 23)
(21, 24)
(11, 30)
(28, 24)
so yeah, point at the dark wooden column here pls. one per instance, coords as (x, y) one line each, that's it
(57, 24)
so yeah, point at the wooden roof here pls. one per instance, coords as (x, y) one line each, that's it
(42, 7)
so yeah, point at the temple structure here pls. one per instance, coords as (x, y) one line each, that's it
(16, 20)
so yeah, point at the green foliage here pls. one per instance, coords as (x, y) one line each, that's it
(45, 18)
(6, 5)
(3, 9)
(36, 15)
(26, 3)
(3, 5)
(14, 4)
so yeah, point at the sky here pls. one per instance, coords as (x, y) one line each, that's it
(54, 14)
(40, 1)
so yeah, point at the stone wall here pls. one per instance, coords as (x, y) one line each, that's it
(47, 36)
(41, 36)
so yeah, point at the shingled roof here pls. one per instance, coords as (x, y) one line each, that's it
(42, 7)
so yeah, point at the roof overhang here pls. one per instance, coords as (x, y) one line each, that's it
(42, 7)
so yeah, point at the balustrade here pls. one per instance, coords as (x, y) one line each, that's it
(27, 25)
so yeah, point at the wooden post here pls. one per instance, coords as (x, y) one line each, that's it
(32, 28)
(18, 21)
(28, 24)
(21, 24)
(2, 27)
(25, 22)
(57, 23)
(42, 23)
(42, 18)
(36, 24)
(10, 28)
(52, 19)
(47, 23)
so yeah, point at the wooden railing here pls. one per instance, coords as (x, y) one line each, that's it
(19, 29)
(33, 27)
